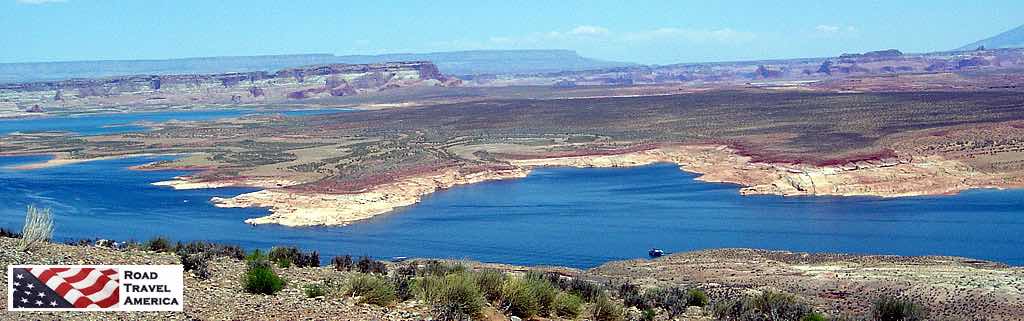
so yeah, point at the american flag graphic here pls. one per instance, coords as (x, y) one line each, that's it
(64, 288)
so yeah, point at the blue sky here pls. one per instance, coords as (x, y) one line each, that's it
(657, 32)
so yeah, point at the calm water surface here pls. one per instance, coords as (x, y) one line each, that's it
(100, 124)
(556, 216)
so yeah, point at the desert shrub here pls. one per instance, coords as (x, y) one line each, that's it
(814, 316)
(783, 306)
(606, 310)
(214, 249)
(367, 265)
(490, 282)
(159, 244)
(517, 299)
(198, 263)
(889, 308)
(409, 270)
(696, 298)
(287, 256)
(313, 290)
(262, 280)
(38, 228)
(544, 292)
(632, 296)
(769, 305)
(371, 289)
(453, 297)
(441, 268)
(9, 233)
(587, 290)
(568, 305)
(648, 315)
(404, 286)
(342, 263)
(674, 300)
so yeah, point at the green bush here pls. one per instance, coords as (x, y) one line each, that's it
(889, 308)
(490, 282)
(371, 289)
(648, 315)
(441, 268)
(517, 298)
(587, 290)
(814, 316)
(159, 244)
(453, 297)
(313, 290)
(544, 292)
(568, 305)
(696, 298)
(606, 310)
(262, 280)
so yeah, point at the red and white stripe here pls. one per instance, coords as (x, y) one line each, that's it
(84, 287)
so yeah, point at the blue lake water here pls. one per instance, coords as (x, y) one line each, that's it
(100, 124)
(555, 216)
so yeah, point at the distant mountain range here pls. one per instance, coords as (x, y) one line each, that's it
(1010, 39)
(451, 63)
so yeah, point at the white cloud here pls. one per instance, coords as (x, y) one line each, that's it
(835, 30)
(588, 31)
(40, 1)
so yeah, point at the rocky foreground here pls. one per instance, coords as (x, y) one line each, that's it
(950, 288)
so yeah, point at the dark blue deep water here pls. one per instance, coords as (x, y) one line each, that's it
(556, 216)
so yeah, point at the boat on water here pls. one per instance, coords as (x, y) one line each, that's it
(655, 252)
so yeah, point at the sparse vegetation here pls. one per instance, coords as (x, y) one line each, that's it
(197, 263)
(518, 299)
(768, 305)
(9, 233)
(290, 255)
(888, 308)
(159, 244)
(568, 305)
(814, 316)
(260, 279)
(38, 228)
(314, 290)
(368, 265)
(605, 309)
(342, 263)
(453, 297)
(371, 289)
(490, 282)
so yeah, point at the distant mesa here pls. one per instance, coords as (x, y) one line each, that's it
(872, 55)
(476, 62)
(312, 81)
(1014, 38)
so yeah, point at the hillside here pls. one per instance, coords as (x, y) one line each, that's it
(1010, 39)
(455, 62)
(950, 288)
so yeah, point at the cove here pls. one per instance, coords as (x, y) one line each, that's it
(555, 216)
